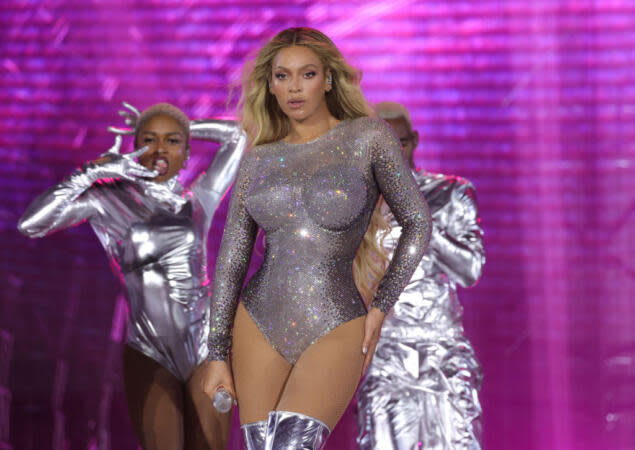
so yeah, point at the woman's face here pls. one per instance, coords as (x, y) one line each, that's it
(167, 144)
(299, 82)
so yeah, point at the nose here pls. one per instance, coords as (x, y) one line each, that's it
(162, 147)
(294, 85)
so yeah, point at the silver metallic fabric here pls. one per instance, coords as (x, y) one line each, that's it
(294, 431)
(314, 202)
(254, 435)
(421, 390)
(155, 236)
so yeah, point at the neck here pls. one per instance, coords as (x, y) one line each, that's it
(311, 127)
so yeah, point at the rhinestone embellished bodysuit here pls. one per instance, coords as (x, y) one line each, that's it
(314, 202)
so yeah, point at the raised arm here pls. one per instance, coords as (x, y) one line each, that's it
(58, 207)
(211, 185)
(231, 266)
(63, 206)
(458, 243)
(406, 202)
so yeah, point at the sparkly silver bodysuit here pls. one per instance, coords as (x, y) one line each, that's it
(155, 235)
(314, 202)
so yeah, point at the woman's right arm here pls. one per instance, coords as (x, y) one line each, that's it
(59, 207)
(231, 265)
(63, 205)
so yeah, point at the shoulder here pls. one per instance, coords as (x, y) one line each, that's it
(453, 183)
(460, 185)
(251, 155)
(372, 127)
(451, 188)
(262, 150)
(254, 157)
(375, 135)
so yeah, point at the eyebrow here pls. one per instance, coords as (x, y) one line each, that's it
(303, 67)
(167, 134)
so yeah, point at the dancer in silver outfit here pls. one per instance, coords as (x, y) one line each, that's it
(421, 390)
(155, 232)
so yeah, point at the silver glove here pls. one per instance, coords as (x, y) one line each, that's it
(60, 206)
(130, 115)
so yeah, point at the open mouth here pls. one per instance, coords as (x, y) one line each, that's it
(160, 165)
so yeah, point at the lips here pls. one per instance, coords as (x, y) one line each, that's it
(295, 103)
(160, 165)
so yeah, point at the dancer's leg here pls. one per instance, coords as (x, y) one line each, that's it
(155, 401)
(260, 372)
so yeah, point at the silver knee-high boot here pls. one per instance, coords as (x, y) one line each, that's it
(294, 431)
(254, 435)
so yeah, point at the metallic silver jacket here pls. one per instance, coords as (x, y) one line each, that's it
(155, 235)
(421, 390)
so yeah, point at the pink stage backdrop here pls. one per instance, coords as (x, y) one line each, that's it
(534, 101)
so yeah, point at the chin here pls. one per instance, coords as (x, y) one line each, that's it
(298, 116)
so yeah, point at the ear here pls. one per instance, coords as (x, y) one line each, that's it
(328, 80)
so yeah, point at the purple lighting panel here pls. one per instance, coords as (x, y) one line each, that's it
(534, 101)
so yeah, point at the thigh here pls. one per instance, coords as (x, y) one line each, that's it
(155, 401)
(259, 371)
(326, 375)
(205, 427)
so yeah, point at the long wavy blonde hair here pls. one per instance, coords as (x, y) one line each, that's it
(265, 122)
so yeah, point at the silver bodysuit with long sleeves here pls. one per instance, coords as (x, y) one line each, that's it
(155, 236)
(421, 390)
(314, 202)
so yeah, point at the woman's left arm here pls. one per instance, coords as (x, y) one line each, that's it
(407, 204)
(212, 184)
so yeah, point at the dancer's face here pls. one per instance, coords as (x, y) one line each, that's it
(167, 144)
(409, 139)
(299, 83)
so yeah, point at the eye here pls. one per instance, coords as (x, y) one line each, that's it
(280, 76)
(174, 141)
(404, 142)
(310, 74)
(147, 140)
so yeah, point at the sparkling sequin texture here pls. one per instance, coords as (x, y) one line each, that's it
(155, 235)
(314, 202)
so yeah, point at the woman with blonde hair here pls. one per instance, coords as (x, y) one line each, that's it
(302, 335)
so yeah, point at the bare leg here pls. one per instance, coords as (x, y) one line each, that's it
(260, 372)
(205, 427)
(155, 401)
(324, 379)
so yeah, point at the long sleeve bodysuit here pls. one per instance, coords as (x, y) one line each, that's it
(314, 202)
(155, 236)
(421, 389)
